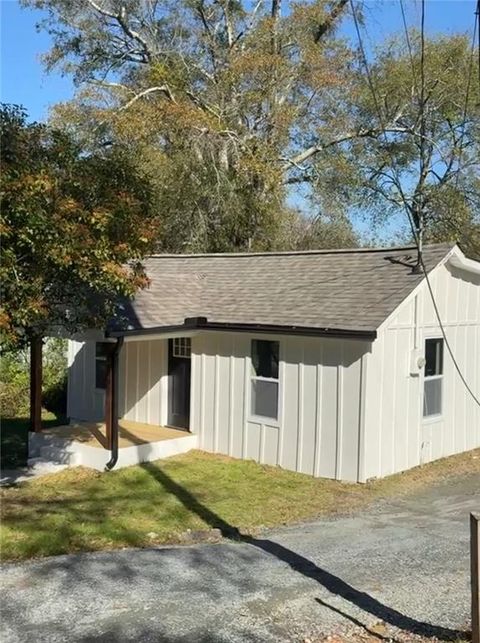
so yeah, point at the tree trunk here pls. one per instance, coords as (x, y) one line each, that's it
(36, 383)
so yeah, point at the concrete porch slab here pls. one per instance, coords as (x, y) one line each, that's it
(83, 444)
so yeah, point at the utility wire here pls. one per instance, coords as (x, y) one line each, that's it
(422, 102)
(469, 77)
(467, 89)
(477, 14)
(409, 45)
(418, 202)
(405, 204)
(447, 343)
(397, 181)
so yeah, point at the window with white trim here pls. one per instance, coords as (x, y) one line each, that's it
(101, 352)
(182, 347)
(433, 377)
(264, 378)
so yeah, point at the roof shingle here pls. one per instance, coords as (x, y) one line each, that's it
(336, 289)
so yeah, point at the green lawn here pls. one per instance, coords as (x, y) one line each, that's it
(14, 439)
(81, 510)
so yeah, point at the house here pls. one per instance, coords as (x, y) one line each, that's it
(330, 363)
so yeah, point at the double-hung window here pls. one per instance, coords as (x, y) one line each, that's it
(264, 379)
(433, 377)
(101, 352)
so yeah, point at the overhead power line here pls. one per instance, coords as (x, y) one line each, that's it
(402, 194)
(477, 14)
(476, 27)
(418, 202)
(409, 45)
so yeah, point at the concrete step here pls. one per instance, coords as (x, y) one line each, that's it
(38, 440)
(58, 455)
(40, 465)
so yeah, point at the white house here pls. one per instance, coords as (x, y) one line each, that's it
(330, 363)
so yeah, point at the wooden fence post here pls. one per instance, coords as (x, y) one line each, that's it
(475, 574)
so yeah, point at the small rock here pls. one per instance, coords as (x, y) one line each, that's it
(379, 628)
(201, 536)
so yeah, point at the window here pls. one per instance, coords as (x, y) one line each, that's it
(264, 377)
(101, 352)
(182, 347)
(432, 387)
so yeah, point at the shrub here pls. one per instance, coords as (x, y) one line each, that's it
(15, 379)
(54, 398)
(14, 391)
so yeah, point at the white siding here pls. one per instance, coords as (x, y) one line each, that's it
(397, 437)
(84, 401)
(348, 410)
(142, 381)
(320, 410)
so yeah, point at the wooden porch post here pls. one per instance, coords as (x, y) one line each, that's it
(36, 383)
(109, 384)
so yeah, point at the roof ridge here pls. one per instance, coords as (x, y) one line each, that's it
(295, 252)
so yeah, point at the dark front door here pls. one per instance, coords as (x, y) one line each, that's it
(179, 361)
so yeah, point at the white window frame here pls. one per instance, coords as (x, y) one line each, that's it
(430, 378)
(182, 347)
(264, 419)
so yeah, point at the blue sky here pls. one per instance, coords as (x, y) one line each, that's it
(24, 81)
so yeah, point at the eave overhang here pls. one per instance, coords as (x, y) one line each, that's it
(202, 323)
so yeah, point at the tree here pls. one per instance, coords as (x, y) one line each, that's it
(321, 231)
(430, 165)
(74, 227)
(231, 107)
(223, 102)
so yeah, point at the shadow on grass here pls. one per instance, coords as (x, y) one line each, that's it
(97, 503)
(14, 439)
(307, 568)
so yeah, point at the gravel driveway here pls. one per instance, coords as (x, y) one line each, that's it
(404, 562)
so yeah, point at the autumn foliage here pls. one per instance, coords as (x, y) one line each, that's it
(74, 227)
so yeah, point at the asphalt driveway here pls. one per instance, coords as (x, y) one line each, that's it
(404, 562)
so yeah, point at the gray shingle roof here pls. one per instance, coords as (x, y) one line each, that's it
(336, 289)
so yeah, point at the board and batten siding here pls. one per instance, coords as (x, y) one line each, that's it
(143, 381)
(84, 401)
(397, 437)
(321, 382)
(142, 387)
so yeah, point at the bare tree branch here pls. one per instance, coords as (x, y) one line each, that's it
(228, 23)
(121, 19)
(101, 10)
(164, 89)
(251, 22)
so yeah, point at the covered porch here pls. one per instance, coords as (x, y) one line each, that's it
(86, 444)
(130, 433)
(128, 403)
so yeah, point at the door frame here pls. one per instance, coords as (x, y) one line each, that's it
(188, 383)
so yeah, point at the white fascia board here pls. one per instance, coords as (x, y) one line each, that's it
(459, 260)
